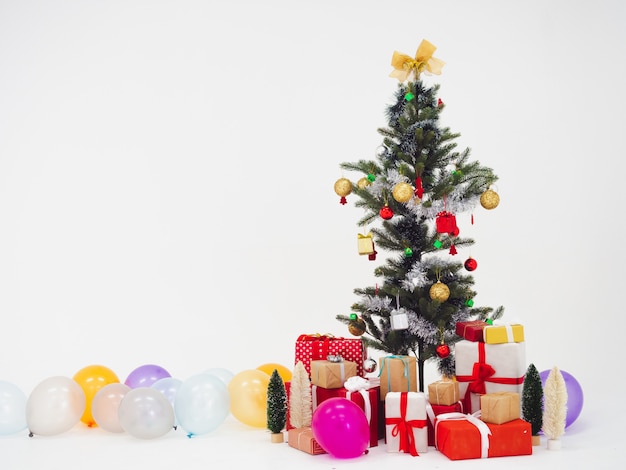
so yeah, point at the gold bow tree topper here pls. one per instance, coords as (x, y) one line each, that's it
(423, 61)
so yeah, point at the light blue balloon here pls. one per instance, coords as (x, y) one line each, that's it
(168, 386)
(12, 409)
(202, 404)
(223, 374)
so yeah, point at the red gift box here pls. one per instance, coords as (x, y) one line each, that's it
(432, 411)
(471, 330)
(461, 437)
(319, 347)
(446, 223)
(369, 406)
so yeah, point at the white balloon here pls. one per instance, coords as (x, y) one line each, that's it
(105, 406)
(146, 413)
(55, 406)
(12, 409)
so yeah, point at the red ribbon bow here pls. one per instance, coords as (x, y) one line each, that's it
(404, 428)
(481, 373)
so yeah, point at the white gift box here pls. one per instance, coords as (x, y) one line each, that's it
(491, 367)
(406, 425)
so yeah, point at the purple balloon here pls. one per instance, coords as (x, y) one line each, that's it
(340, 427)
(575, 396)
(145, 376)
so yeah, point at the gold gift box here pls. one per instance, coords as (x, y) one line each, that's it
(499, 407)
(327, 374)
(498, 334)
(443, 392)
(302, 439)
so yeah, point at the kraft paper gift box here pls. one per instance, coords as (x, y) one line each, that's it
(362, 392)
(500, 407)
(471, 330)
(503, 333)
(397, 374)
(316, 347)
(443, 392)
(302, 439)
(329, 374)
(365, 244)
(487, 368)
(432, 411)
(406, 423)
(461, 437)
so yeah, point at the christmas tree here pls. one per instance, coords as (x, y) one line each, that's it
(276, 406)
(532, 401)
(412, 194)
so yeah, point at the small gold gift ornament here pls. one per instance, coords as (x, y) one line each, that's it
(365, 244)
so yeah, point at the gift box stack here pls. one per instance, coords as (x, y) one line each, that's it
(496, 430)
(443, 397)
(489, 358)
(490, 367)
(335, 367)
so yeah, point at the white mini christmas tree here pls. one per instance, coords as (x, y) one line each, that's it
(554, 408)
(300, 399)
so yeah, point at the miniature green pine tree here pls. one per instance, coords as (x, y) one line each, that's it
(276, 406)
(419, 178)
(532, 401)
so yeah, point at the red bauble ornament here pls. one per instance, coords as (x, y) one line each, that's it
(470, 264)
(386, 212)
(443, 350)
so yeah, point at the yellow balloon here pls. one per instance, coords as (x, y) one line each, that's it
(248, 397)
(284, 373)
(91, 379)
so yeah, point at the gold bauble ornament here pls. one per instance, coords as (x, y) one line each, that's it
(343, 187)
(402, 192)
(363, 183)
(489, 199)
(439, 292)
(357, 327)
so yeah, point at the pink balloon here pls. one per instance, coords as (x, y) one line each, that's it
(340, 427)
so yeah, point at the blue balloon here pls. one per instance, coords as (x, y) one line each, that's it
(224, 374)
(202, 404)
(575, 395)
(168, 386)
(12, 409)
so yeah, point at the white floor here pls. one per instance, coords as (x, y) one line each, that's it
(594, 440)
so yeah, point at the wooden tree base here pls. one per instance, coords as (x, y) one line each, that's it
(536, 440)
(277, 437)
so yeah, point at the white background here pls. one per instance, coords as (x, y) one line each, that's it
(166, 194)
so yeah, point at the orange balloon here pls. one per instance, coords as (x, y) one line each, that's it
(284, 373)
(91, 379)
(248, 397)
